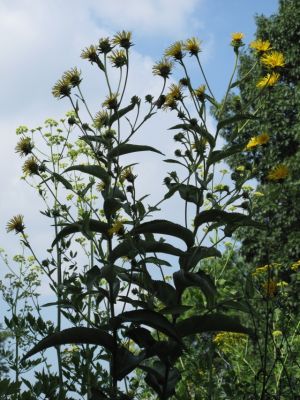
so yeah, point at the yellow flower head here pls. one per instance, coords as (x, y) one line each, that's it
(192, 45)
(24, 146)
(237, 36)
(123, 39)
(295, 266)
(117, 228)
(16, 224)
(199, 92)
(175, 91)
(268, 80)
(258, 141)
(226, 340)
(175, 51)
(260, 45)
(163, 68)
(277, 333)
(111, 101)
(274, 59)
(278, 173)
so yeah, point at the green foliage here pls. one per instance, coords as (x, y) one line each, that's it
(278, 115)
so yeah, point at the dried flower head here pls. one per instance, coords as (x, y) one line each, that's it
(31, 167)
(175, 51)
(16, 224)
(61, 89)
(260, 45)
(73, 77)
(104, 45)
(90, 53)
(24, 146)
(278, 173)
(163, 68)
(192, 45)
(123, 39)
(273, 59)
(111, 101)
(268, 80)
(118, 58)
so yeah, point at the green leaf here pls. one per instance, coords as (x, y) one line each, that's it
(235, 118)
(156, 376)
(150, 318)
(62, 180)
(184, 279)
(90, 225)
(94, 170)
(167, 228)
(210, 323)
(141, 336)
(191, 258)
(120, 113)
(223, 218)
(191, 194)
(220, 155)
(126, 362)
(110, 206)
(79, 335)
(132, 249)
(125, 148)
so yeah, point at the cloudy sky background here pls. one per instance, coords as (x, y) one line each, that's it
(39, 40)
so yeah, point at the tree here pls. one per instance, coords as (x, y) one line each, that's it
(276, 201)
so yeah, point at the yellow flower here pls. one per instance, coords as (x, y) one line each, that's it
(258, 194)
(118, 58)
(227, 340)
(175, 51)
(281, 171)
(199, 92)
(282, 284)
(24, 146)
(111, 101)
(268, 80)
(163, 68)
(117, 228)
(273, 59)
(192, 45)
(30, 167)
(175, 91)
(16, 224)
(240, 168)
(295, 266)
(237, 36)
(277, 333)
(123, 39)
(258, 141)
(260, 45)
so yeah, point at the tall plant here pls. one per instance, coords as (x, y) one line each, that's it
(122, 316)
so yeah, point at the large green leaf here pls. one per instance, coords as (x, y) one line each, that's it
(62, 180)
(167, 228)
(210, 323)
(224, 218)
(126, 362)
(150, 318)
(156, 378)
(219, 155)
(120, 113)
(90, 225)
(79, 335)
(132, 249)
(94, 170)
(184, 279)
(191, 258)
(125, 148)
